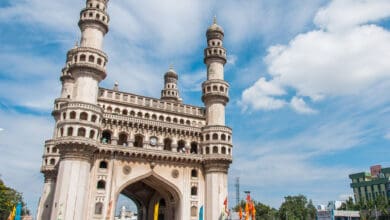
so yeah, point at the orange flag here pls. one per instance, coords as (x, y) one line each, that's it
(240, 213)
(246, 211)
(253, 212)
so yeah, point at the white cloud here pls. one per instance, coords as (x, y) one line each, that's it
(344, 14)
(261, 95)
(1, 129)
(300, 106)
(56, 15)
(320, 63)
(334, 62)
(387, 136)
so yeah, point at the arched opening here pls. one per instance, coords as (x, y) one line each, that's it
(69, 131)
(109, 109)
(215, 150)
(132, 113)
(117, 110)
(101, 184)
(122, 139)
(223, 150)
(167, 144)
(194, 211)
(124, 112)
(181, 146)
(223, 137)
(145, 192)
(92, 134)
(194, 173)
(52, 161)
(103, 164)
(194, 191)
(138, 140)
(72, 115)
(99, 208)
(215, 136)
(81, 132)
(93, 118)
(194, 148)
(106, 137)
(91, 59)
(83, 116)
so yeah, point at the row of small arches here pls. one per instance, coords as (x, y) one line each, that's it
(90, 5)
(97, 15)
(215, 137)
(215, 43)
(215, 89)
(104, 165)
(173, 93)
(91, 59)
(215, 51)
(139, 142)
(81, 132)
(218, 150)
(132, 113)
(50, 161)
(83, 116)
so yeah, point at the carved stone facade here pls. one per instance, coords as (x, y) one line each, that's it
(107, 142)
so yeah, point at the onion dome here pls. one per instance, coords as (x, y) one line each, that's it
(215, 31)
(171, 74)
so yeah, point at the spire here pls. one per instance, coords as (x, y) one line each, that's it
(170, 91)
(215, 19)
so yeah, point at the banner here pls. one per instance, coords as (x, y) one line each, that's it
(12, 214)
(156, 210)
(201, 213)
(18, 211)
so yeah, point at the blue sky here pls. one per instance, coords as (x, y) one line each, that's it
(309, 83)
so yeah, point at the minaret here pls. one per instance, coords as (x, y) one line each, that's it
(217, 143)
(77, 117)
(170, 91)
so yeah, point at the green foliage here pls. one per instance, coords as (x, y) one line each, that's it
(349, 205)
(8, 199)
(297, 208)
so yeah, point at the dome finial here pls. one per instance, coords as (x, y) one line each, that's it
(215, 19)
(171, 66)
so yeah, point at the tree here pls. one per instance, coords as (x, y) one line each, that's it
(8, 199)
(349, 205)
(297, 208)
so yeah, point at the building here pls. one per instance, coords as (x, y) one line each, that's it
(330, 212)
(107, 142)
(126, 215)
(369, 186)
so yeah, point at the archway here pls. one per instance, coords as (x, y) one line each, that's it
(149, 190)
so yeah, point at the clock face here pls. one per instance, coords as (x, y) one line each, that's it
(153, 141)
